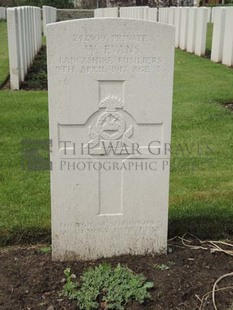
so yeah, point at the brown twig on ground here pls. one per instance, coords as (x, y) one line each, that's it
(214, 287)
(207, 294)
(213, 247)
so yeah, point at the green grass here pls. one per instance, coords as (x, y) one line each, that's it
(200, 198)
(24, 195)
(4, 64)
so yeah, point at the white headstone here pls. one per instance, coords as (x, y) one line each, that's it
(209, 15)
(177, 26)
(25, 39)
(146, 13)
(110, 12)
(213, 14)
(50, 16)
(227, 58)
(99, 12)
(32, 32)
(13, 47)
(218, 35)
(184, 28)
(28, 36)
(171, 15)
(201, 30)
(192, 25)
(129, 12)
(124, 12)
(153, 14)
(162, 15)
(21, 40)
(2, 13)
(138, 12)
(166, 15)
(109, 93)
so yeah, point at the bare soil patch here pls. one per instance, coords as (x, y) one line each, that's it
(31, 280)
(229, 105)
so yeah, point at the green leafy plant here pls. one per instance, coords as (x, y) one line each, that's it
(69, 289)
(164, 266)
(45, 250)
(161, 266)
(107, 287)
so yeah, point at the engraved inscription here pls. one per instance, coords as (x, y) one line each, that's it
(115, 38)
(119, 54)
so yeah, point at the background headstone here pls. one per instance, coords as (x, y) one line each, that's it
(177, 26)
(184, 28)
(201, 30)
(218, 35)
(227, 58)
(110, 12)
(153, 14)
(13, 45)
(192, 25)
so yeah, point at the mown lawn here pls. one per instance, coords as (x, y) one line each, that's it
(201, 187)
(24, 195)
(4, 64)
(201, 183)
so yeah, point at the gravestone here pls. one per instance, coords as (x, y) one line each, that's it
(184, 28)
(218, 35)
(213, 14)
(110, 12)
(192, 25)
(110, 102)
(209, 15)
(21, 43)
(99, 12)
(171, 15)
(163, 15)
(125, 12)
(153, 14)
(201, 30)
(2, 13)
(13, 47)
(227, 57)
(177, 23)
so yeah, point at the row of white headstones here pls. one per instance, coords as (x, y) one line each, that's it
(2, 13)
(24, 31)
(24, 26)
(190, 26)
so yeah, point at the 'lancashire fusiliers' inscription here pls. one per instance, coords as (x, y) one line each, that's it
(111, 54)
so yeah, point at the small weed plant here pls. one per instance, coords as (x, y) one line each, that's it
(105, 287)
(164, 266)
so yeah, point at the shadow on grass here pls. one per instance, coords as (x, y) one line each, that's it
(202, 227)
